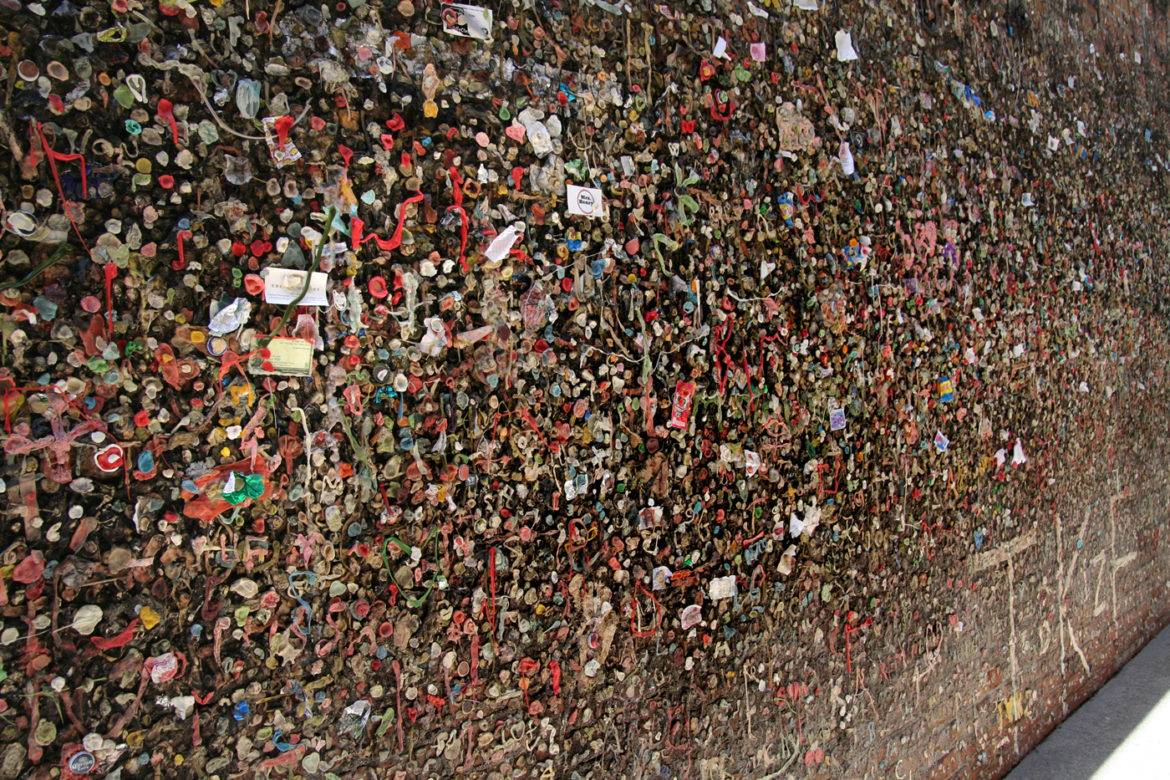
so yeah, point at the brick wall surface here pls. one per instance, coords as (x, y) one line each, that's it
(1030, 635)
(943, 615)
(1035, 622)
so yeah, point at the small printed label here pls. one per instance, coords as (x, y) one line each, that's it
(585, 201)
(284, 357)
(283, 285)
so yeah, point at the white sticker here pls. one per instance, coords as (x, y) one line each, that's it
(502, 244)
(722, 588)
(845, 156)
(586, 201)
(845, 50)
(283, 285)
(467, 21)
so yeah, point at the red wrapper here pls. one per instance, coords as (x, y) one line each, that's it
(680, 408)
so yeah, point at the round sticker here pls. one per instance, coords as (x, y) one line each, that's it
(585, 201)
(82, 762)
(110, 458)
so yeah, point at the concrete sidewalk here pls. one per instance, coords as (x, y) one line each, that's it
(1121, 733)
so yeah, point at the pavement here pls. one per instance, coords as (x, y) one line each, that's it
(1121, 733)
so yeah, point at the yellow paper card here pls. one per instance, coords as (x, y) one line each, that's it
(286, 357)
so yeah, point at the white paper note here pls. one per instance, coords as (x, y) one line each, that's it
(585, 201)
(283, 285)
(846, 158)
(467, 21)
(845, 50)
(502, 244)
(722, 588)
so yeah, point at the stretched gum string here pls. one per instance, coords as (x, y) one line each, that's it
(180, 238)
(457, 195)
(54, 157)
(492, 585)
(110, 271)
(357, 229)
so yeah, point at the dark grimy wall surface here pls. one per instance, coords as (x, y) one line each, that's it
(822, 433)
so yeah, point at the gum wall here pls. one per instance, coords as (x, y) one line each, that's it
(571, 388)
